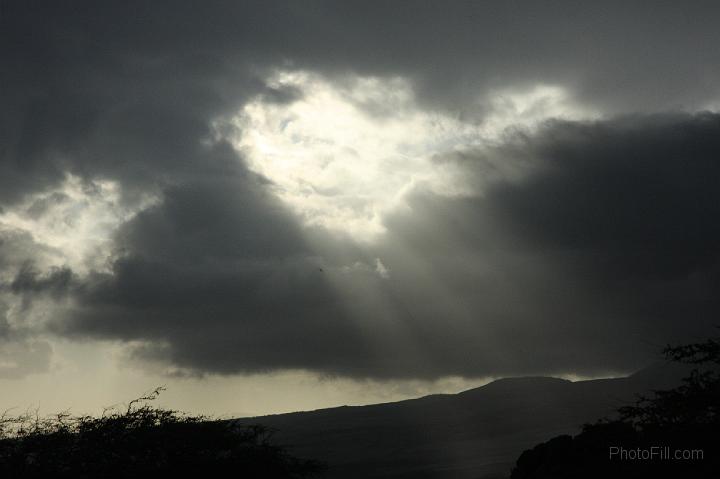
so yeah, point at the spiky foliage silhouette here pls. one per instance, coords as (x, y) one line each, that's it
(141, 441)
(683, 420)
(695, 403)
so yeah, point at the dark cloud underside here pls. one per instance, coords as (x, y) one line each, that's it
(604, 251)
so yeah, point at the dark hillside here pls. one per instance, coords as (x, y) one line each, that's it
(476, 433)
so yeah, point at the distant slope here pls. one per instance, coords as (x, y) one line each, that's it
(474, 434)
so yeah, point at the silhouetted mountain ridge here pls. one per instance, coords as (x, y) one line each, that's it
(472, 434)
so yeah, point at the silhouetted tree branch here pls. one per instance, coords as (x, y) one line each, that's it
(683, 418)
(141, 441)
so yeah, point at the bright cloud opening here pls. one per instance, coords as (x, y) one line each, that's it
(73, 223)
(343, 155)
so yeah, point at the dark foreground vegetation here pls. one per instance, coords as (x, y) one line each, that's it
(671, 433)
(141, 441)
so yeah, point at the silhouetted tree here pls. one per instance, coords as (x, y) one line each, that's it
(683, 419)
(141, 441)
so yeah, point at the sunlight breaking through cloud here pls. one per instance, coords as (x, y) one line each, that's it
(73, 223)
(343, 154)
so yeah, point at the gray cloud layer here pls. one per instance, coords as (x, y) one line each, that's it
(604, 252)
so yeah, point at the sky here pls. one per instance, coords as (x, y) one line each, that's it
(276, 206)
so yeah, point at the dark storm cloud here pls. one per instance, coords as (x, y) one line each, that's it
(56, 283)
(20, 273)
(608, 241)
(639, 189)
(604, 252)
(127, 89)
(220, 272)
